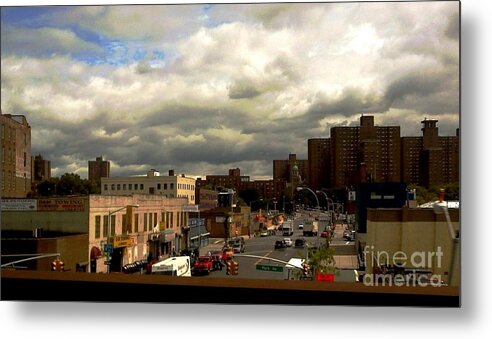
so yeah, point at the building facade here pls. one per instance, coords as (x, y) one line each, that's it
(415, 239)
(41, 169)
(134, 227)
(430, 160)
(171, 186)
(376, 147)
(16, 156)
(99, 169)
(319, 163)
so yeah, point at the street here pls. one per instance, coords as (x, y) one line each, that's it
(256, 268)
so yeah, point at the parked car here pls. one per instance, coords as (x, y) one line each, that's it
(279, 244)
(238, 247)
(203, 265)
(300, 242)
(301, 226)
(264, 233)
(324, 234)
(288, 242)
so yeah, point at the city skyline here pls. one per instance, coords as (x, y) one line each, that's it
(204, 88)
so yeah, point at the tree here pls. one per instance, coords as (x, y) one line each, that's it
(322, 260)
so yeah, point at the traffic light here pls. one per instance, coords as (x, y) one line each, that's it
(305, 269)
(54, 265)
(57, 265)
(234, 268)
(229, 267)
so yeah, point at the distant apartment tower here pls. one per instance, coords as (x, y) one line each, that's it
(319, 163)
(41, 169)
(430, 160)
(16, 156)
(98, 169)
(365, 153)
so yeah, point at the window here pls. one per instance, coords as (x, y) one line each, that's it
(98, 227)
(171, 186)
(113, 225)
(112, 187)
(118, 186)
(151, 224)
(155, 219)
(105, 187)
(124, 187)
(158, 186)
(105, 226)
(141, 186)
(135, 226)
(165, 186)
(145, 222)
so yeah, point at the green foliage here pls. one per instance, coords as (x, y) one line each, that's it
(68, 184)
(322, 260)
(452, 192)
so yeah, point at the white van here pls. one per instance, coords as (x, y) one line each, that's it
(175, 266)
(293, 269)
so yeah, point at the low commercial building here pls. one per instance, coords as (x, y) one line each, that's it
(118, 232)
(413, 240)
(171, 186)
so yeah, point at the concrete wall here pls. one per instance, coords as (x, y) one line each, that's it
(65, 221)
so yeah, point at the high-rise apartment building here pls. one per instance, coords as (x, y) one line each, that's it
(375, 149)
(319, 163)
(98, 169)
(430, 160)
(16, 156)
(369, 153)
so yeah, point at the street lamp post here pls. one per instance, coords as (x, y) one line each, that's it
(453, 235)
(317, 203)
(300, 188)
(328, 201)
(109, 227)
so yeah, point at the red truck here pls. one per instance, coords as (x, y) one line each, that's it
(203, 265)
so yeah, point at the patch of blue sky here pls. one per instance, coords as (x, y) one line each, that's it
(117, 53)
(30, 16)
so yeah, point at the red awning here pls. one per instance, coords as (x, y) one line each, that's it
(95, 252)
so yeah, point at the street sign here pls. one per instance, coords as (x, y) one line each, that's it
(269, 268)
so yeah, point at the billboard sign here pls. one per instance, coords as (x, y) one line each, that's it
(19, 205)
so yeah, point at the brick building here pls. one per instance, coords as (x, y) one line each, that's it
(99, 169)
(16, 156)
(319, 162)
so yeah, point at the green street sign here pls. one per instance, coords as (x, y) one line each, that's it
(269, 268)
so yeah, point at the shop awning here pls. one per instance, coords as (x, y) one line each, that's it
(95, 252)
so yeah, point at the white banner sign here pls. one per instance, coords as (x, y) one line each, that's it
(19, 205)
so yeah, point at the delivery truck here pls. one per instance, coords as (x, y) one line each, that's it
(174, 266)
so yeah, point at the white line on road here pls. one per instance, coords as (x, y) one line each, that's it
(266, 255)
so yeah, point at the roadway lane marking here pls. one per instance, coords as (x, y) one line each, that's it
(260, 260)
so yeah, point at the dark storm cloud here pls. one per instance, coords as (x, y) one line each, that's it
(453, 29)
(243, 90)
(424, 92)
(352, 101)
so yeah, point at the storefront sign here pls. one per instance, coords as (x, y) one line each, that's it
(19, 205)
(123, 242)
(190, 208)
(61, 205)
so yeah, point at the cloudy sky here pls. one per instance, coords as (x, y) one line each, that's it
(204, 88)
